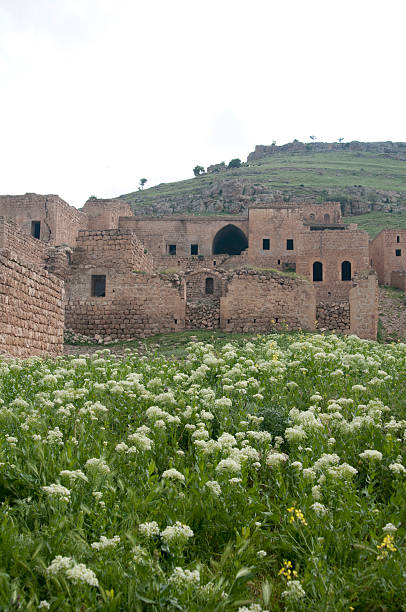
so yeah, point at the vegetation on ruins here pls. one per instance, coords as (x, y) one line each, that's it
(250, 475)
(235, 163)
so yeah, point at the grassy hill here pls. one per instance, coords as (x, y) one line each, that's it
(361, 181)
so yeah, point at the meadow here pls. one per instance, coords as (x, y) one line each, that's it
(256, 474)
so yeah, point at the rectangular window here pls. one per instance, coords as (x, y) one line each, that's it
(289, 244)
(398, 252)
(265, 244)
(398, 239)
(194, 249)
(98, 285)
(36, 229)
(172, 249)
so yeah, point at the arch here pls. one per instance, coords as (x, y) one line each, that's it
(326, 218)
(317, 271)
(209, 285)
(346, 271)
(231, 240)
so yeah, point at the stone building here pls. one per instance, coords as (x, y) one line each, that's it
(124, 276)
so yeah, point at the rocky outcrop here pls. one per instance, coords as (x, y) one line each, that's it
(397, 150)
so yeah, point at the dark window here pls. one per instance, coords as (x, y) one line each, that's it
(172, 249)
(317, 271)
(346, 271)
(289, 244)
(209, 286)
(398, 252)
(265, 244)
(194, 249)
(176, 321)
(279, 262)
(98, 285)
(398, 239)
(35, 229)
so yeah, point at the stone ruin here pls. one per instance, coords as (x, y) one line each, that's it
(103, 272)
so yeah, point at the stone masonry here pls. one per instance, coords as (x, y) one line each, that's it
(284, 266)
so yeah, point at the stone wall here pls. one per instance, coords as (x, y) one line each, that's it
(364, 306)
(157, 234)
(27, 248)
(398, 280)
(333, 316)
(263, 301)
(104, 214)
(31, 308)
(388, 254)
(59, 222)
(150, 304)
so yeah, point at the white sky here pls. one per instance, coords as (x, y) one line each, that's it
(95, 94)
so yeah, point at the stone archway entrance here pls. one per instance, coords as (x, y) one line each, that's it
(229, 240)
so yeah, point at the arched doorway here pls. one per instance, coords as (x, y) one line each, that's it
(346, 271)
(317, 271)
(230, 240)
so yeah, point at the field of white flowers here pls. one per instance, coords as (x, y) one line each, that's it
(265, 475)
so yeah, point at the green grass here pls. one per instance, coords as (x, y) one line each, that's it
(375, 222)
(298, 174)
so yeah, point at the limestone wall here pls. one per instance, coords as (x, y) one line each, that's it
(364, 306)
(388, 254)
(158, 233)
(27, 248)
(150, 304)
(263, 301)
(104, 214)
(59, 222)
(31, 308)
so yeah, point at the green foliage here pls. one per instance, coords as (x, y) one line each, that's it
(375, 222)
(263, 470)
(198, 170)
(142, 182)
(235, 163)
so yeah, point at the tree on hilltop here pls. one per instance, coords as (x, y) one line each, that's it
(198, 170)
(235, 163)
(142, 182)
(313, 137)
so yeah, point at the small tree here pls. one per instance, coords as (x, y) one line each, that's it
(340, 139)
(313, 137)
(198, 170)
(235, 163)
(142, 182)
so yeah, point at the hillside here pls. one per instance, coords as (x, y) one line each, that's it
(362, 176)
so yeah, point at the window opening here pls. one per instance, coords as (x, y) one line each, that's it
(317, 271)
(194, 249)
(289, 244)
(36, 229)
(209, 286)
(326, 218)
(279, 262)
(172, 249)
(346, 271)
(99, 285)
(398, 252)
(398, 239)
(265, 244)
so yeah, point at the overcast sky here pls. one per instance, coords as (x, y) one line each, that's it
(96, 94)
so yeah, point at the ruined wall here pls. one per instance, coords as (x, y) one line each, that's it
(364, 306)
(31, 308)
(150, 304)
(59, 222)
(333, 316)
(158, 233)
(26, 247)
(105, 214)
(262, 301)
(383, 253)
(331, 249)
(398, 280)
